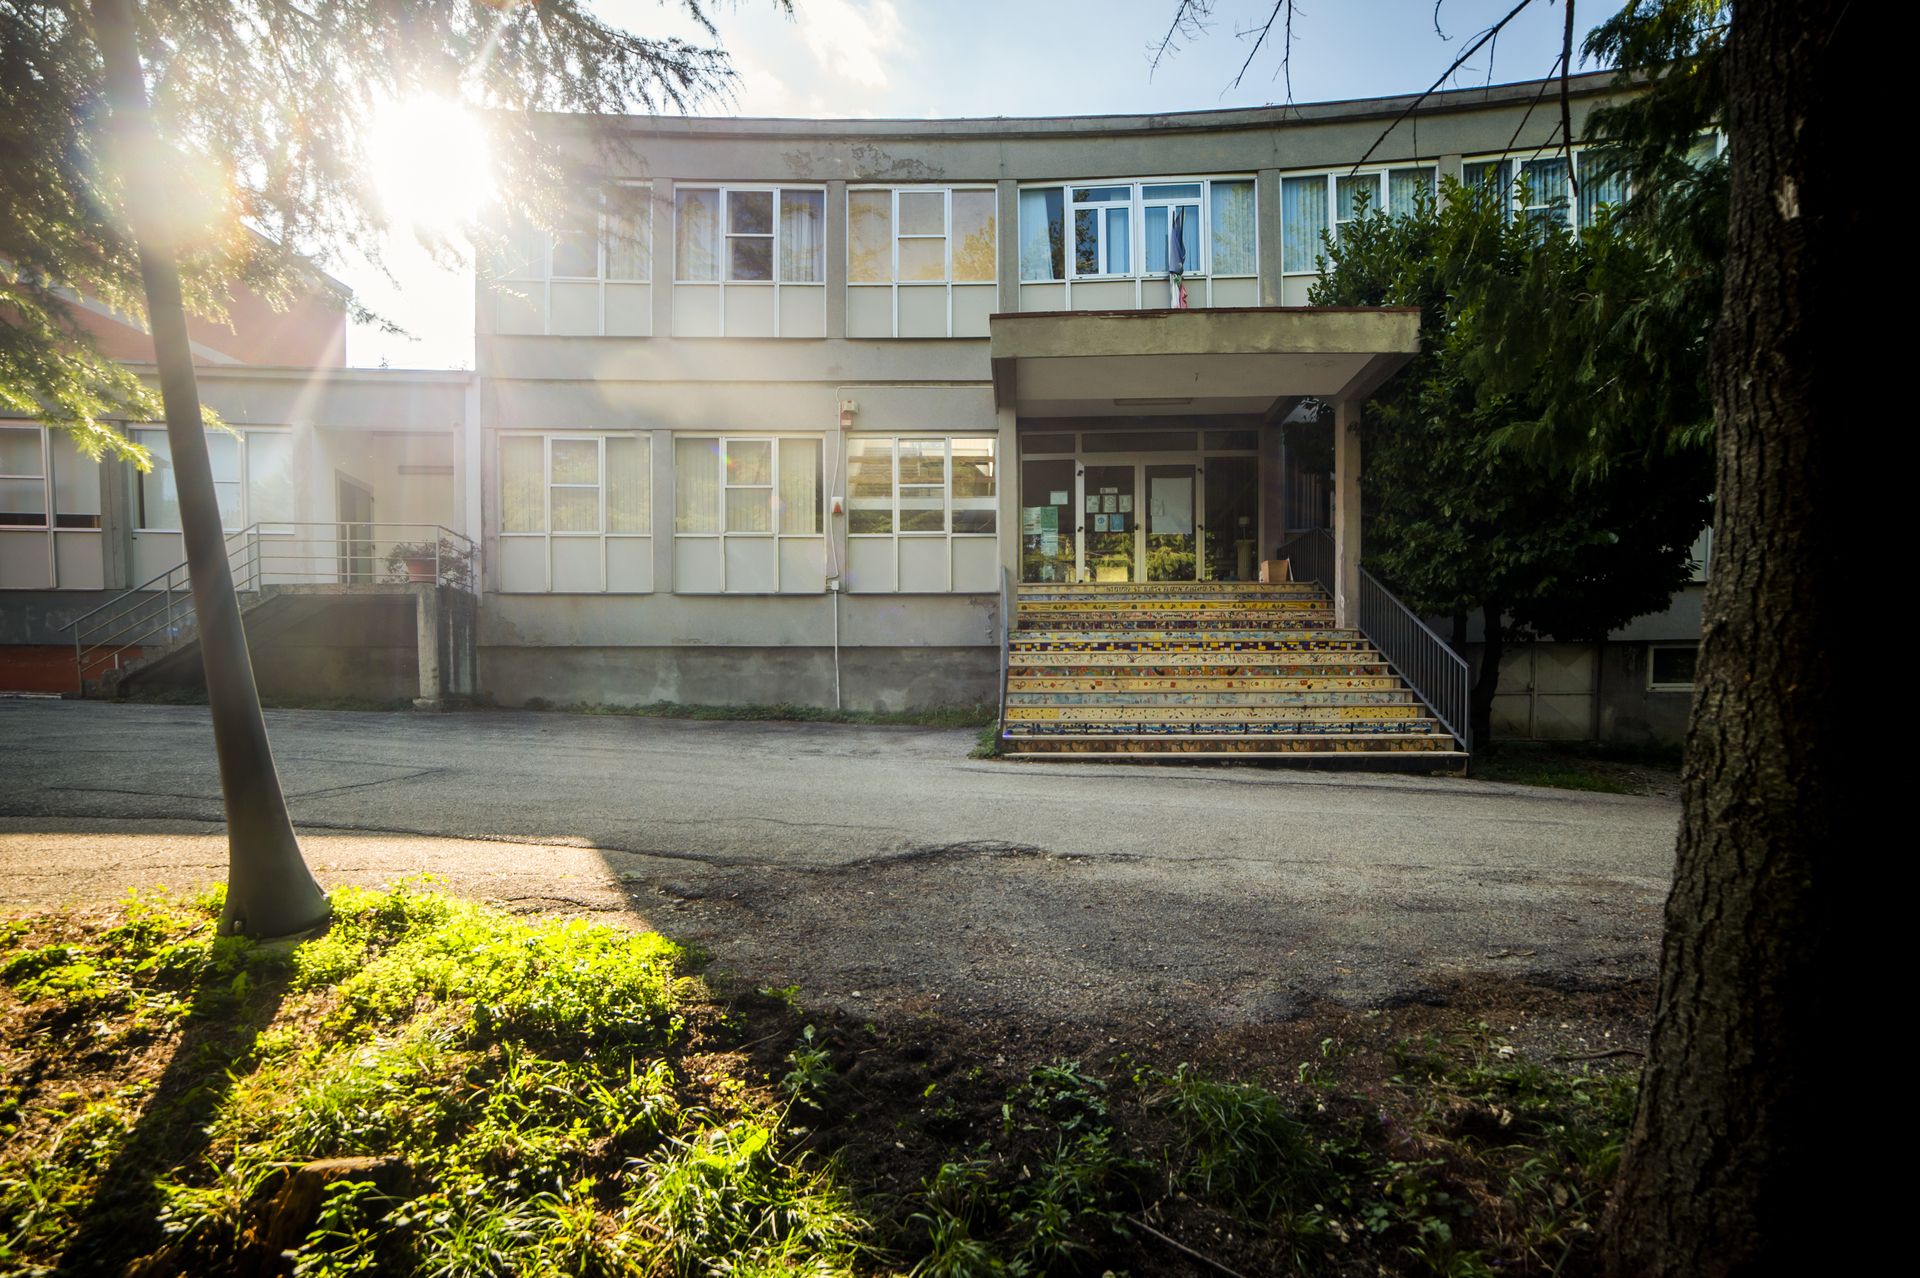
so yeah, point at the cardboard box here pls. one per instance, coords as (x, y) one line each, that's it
(1272, 570)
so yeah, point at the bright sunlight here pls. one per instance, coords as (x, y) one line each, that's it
(430, 164)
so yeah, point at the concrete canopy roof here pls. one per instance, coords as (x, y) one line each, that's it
(1225, 360)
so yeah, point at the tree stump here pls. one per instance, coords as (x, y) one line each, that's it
(295, 1208)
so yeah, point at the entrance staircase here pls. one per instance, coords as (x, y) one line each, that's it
(1207, 670)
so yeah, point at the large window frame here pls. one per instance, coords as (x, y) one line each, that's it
(620, 231)
(881, 559)
(796, 564)
(237, 515)
(730, 231)
(622, 557)
(863, 279)
(1339, 200)
(1577, 208)
(69, 553)
(1121, 231)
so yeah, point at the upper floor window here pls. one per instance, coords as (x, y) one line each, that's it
(1139, 229)
(921, 261)
(1540, 188)
(1313, 203)
(752, 235)
(586, 276)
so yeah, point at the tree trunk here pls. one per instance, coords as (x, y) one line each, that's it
(1724, 1170)
(270, 891)
(1493, 649)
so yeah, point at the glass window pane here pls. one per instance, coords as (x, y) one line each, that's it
(1049, 443)
(521, 252)
(1172, 191)
(1488, 175)
(803, 229)
(799, 485)
(1357, 196)
(1303, 219)
(576, 246)
(973, 239)
(751, 258)
(1106, 194)
(870, 520)
(23, 503)
(974, 521)
(76, 486)
(1233, 229)
(870, 468)
(1086, 242)
(750, 212)
(576, 461)
(629, 484)
(1156, 237)
(628, 257)
(1603, 183)
(223, 454)
(923, 213)
(159, 506)
(1183, 239)
(870, 237)
(749, 510)
(923, 509)
(923, 259)
(227, 496)
(522, 500)
(749, 461)
(696, 485)
(1406, 188)
(576, 510)
(1546, 187)
(270, 496)
(972, 468)
(1043, 235)
(696, 235)
(20, 451)
(923, 461)
(1119, 242)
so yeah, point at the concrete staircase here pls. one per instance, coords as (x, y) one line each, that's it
(1206, 670)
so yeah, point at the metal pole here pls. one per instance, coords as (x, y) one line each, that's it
(270, 891)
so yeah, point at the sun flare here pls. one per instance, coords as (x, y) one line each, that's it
(430, 164)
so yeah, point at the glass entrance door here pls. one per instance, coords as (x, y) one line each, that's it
(1172, 538)
(1111, 523)
(1049, 548)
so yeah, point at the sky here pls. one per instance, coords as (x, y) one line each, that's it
(933, 58)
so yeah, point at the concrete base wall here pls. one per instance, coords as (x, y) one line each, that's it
(1583, 692)
(357, 649)
(881, 679)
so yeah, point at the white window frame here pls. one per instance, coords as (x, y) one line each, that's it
(1517, 162)
(1379, 173)
(547, 534)
(1200, 272)
(247, 517)
(1652, 648)
(50, 530)
(947, 283)
(536, 276)
(721, 487)
(727, 190)
(44, 478)
(945, 532)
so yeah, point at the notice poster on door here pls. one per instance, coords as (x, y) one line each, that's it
(1170, 506)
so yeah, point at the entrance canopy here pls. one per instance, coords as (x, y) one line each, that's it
(1226, 360)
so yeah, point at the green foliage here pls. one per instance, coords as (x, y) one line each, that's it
(811, 1071)
(268, 111)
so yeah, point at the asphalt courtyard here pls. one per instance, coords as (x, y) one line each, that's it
(879, 868)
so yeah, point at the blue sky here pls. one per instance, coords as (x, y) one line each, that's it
(925, 58)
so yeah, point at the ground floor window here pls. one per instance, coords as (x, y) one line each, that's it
(576, 513)
(49, 511)
(748, 515)
(253, 480)
(922, 514)
(1671, 667)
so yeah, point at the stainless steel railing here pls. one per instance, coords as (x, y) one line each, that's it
(159, 611)
(1427, 662)
(1007, 603)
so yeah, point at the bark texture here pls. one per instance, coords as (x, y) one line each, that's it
(1725, 1162)
(1486, 680)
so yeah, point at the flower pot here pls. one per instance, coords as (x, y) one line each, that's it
(421, 568)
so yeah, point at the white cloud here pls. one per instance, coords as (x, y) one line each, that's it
(852, 41)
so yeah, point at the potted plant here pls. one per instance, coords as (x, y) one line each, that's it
(426, 562)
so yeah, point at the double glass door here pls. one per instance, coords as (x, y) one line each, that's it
(1126, 519)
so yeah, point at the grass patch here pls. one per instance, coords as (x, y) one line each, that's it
(952, 716)
(988, 744)
(567, 1097)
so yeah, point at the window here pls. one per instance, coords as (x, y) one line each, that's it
(1141, 230)
(1603, 183)
(1540, 188)
(921, 261)
(748, 515)
(49, 511)
(576, 513)
(748, 261)
(1310, 204)
(922, 514)
(586, 276)
(253, 480)
(1671, 667)
(1544, 189)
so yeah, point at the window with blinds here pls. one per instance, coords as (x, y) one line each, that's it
(576, 513)
(749, 515)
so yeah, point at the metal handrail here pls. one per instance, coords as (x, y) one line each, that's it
(1426, 662)
(263, 557)
(1006, 645)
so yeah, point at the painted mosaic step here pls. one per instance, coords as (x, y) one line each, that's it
(1183, 697)
(1219, 664)
(1194, 683)
(1229, 747)
(1342, 713)
(1108, 589)
(1213, 606)
(1358, 728)
(1174, 641)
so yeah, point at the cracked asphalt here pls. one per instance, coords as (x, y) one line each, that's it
(879, 868)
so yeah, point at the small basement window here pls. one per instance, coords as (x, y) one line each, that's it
(1671, 667)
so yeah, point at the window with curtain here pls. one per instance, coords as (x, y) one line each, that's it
(922, 513)
(1545, 194)
(696, 235)
(1235, 248)
(749, 235)
(1603, 183)
(756, 503)
(576, 513)
(233, 459)
(1139, 230)
(577, 278)
(1043, 234)
(1406, 188)
(929, 240)
(1303, 220)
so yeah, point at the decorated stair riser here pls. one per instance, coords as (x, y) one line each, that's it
(1171, 590)
(1095, 665)
(1165, 700)
(1206, 745)
(1118, 687)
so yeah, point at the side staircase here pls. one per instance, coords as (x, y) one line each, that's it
(1207, 670)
